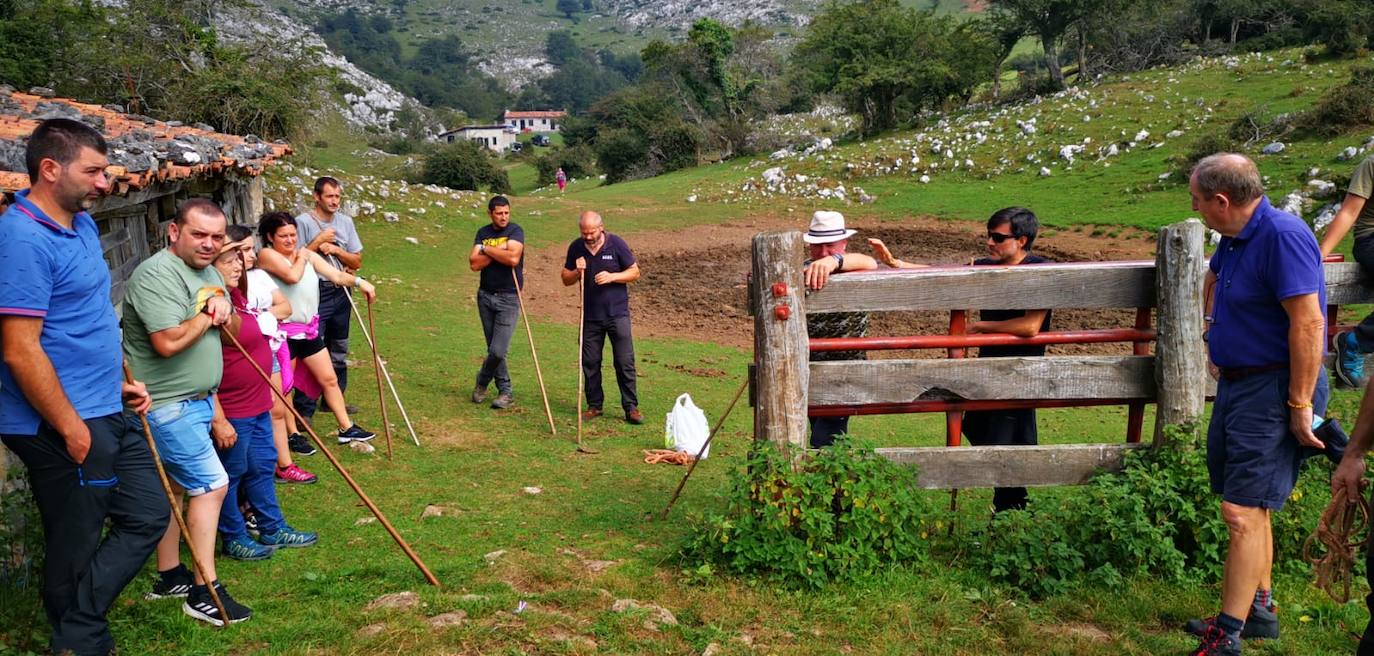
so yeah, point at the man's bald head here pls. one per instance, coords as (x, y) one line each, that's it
(590, 226)
(1231, 174)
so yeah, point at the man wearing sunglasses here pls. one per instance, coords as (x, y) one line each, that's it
(1011, 231)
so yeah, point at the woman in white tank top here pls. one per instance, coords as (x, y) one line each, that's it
(297, 272)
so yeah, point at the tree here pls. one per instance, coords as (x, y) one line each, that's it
(1004, 30)
(465, 165)
(560, 47)
(1050, 20)
(888, 62)
(569, 7)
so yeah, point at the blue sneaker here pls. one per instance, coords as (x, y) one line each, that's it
(1349, 361)
(288, 537)
(244, 548)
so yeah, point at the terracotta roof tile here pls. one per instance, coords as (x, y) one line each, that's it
(17, 121)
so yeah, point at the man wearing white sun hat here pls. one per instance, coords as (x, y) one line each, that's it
(827, 239)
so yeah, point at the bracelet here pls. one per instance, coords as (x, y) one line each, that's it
(839, 261)
(1299, 406)
(357, 281)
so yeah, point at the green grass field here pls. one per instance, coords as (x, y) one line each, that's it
(539, 573)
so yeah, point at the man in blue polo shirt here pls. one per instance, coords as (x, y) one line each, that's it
(606, 311)
(61, 386)
(1265, 295)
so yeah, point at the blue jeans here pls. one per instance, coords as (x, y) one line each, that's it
(250, 464)
(499, 314)
(182, 433)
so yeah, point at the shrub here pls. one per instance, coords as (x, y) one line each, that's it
(465, 165)
(576, 161)
(1208, 144)
(1158, 517)
(845, 512)
(1343, 108)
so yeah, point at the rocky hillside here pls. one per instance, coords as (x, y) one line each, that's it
(368, 103)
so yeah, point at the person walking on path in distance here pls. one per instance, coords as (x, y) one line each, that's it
(607, 259)
(62, 391)
(562, 179)
(498, 251)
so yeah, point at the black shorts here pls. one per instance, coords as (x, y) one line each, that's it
(301, 349)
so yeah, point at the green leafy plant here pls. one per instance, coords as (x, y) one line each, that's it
(842, 513)
(1158, 517)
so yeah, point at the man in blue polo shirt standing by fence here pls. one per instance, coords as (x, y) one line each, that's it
(61, 387)
(1265, 295)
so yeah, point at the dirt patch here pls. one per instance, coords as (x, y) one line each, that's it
(694, 288)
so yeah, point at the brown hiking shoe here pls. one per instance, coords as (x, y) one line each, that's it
(634, 416)
(591, 413)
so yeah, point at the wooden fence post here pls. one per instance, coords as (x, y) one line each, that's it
(781, 356)
(1180, 355)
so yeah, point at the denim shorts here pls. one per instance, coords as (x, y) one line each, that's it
(1252, 458)
(182, 433)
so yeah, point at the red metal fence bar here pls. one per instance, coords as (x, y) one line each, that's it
(916, 342)
(954, 419)
(1135, 415)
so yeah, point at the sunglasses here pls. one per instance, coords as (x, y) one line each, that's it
(999, 237)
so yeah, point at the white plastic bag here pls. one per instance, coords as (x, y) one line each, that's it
(686, 429)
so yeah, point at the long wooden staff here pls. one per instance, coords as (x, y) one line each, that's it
(520, 297)
(377, 369)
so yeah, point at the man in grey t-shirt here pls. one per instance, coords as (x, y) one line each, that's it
(331, 233)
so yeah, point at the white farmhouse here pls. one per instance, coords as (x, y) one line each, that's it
(496, 137)
(541, 121)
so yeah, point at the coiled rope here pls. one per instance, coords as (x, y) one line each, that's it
(1339, 534)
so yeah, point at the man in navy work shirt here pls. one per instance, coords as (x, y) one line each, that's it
(611, 266)
(61, 386)
(498, 253)
(1265, 295)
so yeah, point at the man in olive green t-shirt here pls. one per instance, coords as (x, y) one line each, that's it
(1353, 345)
(174, 307)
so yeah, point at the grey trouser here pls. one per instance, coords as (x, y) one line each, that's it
(499, 313)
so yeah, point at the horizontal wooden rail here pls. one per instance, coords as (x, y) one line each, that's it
(934, 405)
(1027, 286)
(858, 382)
(1346, 284)
(1009, 466)
(823, 344)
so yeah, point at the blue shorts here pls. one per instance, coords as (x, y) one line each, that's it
(1252, 458)
(182, 433)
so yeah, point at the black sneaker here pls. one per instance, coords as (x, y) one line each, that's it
(176, 582)
(355, 434)
(300, 445)
(1262, 624)
(200, 606)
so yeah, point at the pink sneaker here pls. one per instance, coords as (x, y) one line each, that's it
(293, 474)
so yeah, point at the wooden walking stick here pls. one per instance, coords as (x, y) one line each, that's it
(721, 422)
(581, 379)
(386, 374)
(176, 510)
(376, 512)
(377, 369)
(520, 297)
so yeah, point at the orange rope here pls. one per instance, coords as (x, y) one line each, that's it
(1338, 531)
(655, 456)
